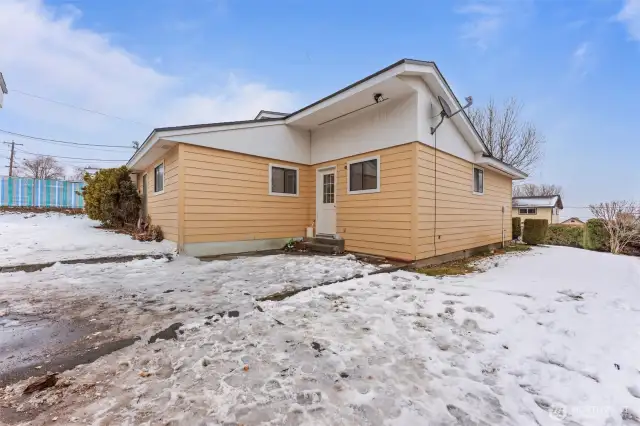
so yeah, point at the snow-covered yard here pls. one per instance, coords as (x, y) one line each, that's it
(142, 292)
(27, 238)
(545, 337)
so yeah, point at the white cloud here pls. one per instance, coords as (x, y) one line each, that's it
(630, 16)
(484, 21)
(232, 102)
(45, 52)
(582, 59)
(487, 22)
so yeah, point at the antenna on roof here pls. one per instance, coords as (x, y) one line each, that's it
(446, 110)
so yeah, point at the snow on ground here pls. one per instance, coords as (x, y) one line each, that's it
(27, 238)
(545, 338)
(140, 292)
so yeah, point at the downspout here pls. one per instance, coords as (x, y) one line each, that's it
(502, 226)
(435, 189)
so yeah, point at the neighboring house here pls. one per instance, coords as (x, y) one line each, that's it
(574, 221)
(543, 207)
(360, 164)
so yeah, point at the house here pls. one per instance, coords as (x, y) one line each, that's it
(361, 164)
(573, 221)
(542, 207)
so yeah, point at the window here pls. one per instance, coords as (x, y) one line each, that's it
(158, 178)
(283, 180)
(364, 175)
(328, 188)
(478, 180)
(529, 210)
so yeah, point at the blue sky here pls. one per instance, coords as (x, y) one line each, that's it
(574, 64)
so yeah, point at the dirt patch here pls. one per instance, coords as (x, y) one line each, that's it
(168, 333)
(41, 383)
(109, 259)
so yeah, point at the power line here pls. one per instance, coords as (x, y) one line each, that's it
(79, 108)
(62, 142)
(71, 158)
(72, 163)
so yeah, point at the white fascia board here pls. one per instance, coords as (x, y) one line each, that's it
(157, 135)
(500, 166)
(399, 69)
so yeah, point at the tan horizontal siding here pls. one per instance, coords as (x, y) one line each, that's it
(425, 207)
(425, 202)
(163, 207)
(227, 198)
(377, 223)
(465, 220)
(542, 213)
(450, 217)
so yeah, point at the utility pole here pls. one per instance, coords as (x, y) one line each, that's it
(13, 146)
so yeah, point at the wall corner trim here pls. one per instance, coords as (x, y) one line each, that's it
(181, 196)
(414, 200)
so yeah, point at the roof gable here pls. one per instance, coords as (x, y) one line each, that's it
(573, 220)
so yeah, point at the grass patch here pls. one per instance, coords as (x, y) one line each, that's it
(517, 248)
(463, 266)
(452, 268)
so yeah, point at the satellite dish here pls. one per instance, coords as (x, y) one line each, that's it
(446, 109)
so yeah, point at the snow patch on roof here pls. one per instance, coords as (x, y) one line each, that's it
(535, 201)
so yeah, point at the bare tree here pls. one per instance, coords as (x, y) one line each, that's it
(533, 190)
(621, 219)
(41, 167)
(507, 136)
(78, 173)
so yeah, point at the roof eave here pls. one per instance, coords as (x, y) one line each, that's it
(146, 145)
(508, 169)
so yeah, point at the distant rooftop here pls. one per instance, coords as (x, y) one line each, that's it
(540, 201)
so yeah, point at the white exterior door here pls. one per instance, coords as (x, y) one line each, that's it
(326, 201)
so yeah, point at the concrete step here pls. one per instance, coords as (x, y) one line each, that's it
(323, 248)
(337, 242)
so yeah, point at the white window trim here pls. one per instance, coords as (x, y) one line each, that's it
(282, 166)
(164, 177)
(142, 183)
(363, 191)
(535, 210)
(473, 180)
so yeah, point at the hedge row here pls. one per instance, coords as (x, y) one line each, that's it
(592, 236)
(563, 235)
(596, 236)
(535, 231)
